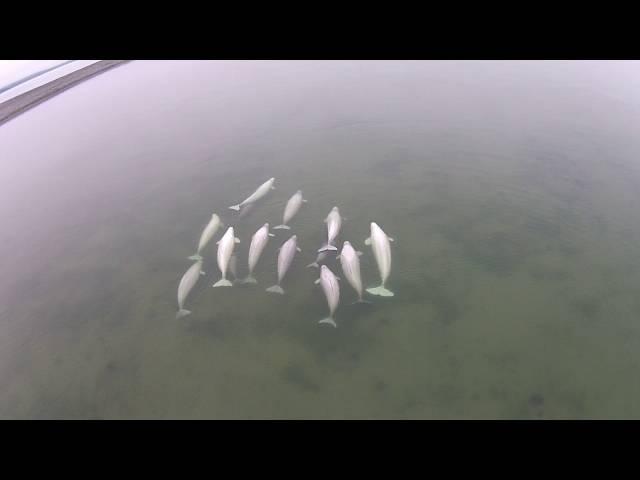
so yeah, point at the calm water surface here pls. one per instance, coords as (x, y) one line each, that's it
(512, 190)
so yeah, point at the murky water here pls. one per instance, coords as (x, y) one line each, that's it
(512, 190)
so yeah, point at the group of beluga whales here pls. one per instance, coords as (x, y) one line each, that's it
(349, 257)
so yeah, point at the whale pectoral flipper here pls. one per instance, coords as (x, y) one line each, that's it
(391, 239)
(359, 253)
(271, 235)
(317, 281)
(237, 240)
(367, 241)
(299, 249)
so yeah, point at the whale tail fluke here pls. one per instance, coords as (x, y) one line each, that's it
(223, 282)
(328, 248)
(330, 321)
(383, 292)
(282, 227)
(313, 265)
(196, 256)
(250, 279)
(182, 313)
(235, 207)
(276, 289)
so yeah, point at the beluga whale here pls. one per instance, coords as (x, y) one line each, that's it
(225, 252)
(329, 283)
(207, 234)
(350, 261)
(292, 207)
(379, 242)
(334, 222)
(261, 191)
(258, 242)
(285, 258)
(187, 282)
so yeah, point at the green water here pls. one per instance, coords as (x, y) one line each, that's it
(511, 189)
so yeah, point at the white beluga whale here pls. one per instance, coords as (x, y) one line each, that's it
(293, 205)
(257, 195)
(379, 242)
(334, 222)
(329, 283)
(350, 261)
(285, 258)
(225, 252)
(187, 282)
(207, 234)
(258, 242)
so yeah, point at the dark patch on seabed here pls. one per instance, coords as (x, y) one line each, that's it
(500, 253)
(213, 328)
(379, 385)
(535, 407)
(447, 308)
(86, 296)
(295, 375)
(587, 307)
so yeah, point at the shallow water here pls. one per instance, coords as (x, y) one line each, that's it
(511, 189)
